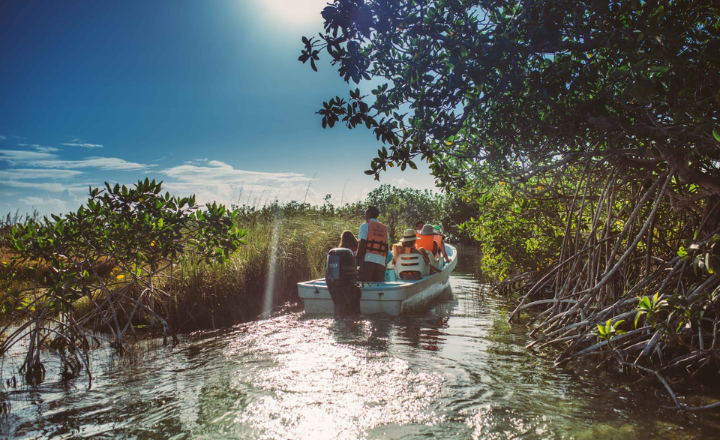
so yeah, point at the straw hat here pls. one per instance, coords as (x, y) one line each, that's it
(427, 230)
(408, 235)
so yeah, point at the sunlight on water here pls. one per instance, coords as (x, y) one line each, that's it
(482, 423)
(319, 388)
(457, 371)
(272, 265)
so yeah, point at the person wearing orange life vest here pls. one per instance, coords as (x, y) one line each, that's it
(407, 246)
(373, 247)
(440, 240)
(426, 240)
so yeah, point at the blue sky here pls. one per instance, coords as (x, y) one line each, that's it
(207, 96)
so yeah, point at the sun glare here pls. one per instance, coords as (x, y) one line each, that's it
(296, 14)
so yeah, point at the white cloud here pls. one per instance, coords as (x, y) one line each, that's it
(44, 149)
(83, 145)
(403, 183)
(60, 203)
(39, 159)
(220, 182)
(37, 173)
(363, 194)
(103, 163)
(40, 148)
(2, 138)
(18, 157)
(220, 172)
(43, 186)
(243, 194)
(195, 161)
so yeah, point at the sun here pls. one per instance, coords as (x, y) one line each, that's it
(294, 14)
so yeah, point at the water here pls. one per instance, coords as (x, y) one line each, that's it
(458, 371)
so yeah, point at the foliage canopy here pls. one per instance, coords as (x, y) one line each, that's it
(492, 89)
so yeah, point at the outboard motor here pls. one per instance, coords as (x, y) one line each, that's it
(340, 277)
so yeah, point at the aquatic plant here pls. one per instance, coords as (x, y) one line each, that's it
(76, 277)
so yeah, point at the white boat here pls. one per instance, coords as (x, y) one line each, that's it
(390, 297)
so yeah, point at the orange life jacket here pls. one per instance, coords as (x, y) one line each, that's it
(403, 250)
(399, 249)
(425, 241)
(377, 241)
(438, 240)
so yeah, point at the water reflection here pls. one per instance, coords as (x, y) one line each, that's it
(307, 384)
(457, 371)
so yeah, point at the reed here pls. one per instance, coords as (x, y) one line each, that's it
(209, 295)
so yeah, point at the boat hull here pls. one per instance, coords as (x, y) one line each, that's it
(390, 297)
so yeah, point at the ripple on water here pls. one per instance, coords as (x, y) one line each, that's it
(457, 371)
(310, 385)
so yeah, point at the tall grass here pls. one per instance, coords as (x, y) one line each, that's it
(216, 295)
(207, 285)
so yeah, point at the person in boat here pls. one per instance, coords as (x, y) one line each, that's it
(440, 240)
(426, 240)
(373, 247)
(407, 246)
(390, 267)
(348, 241)
(418, 227)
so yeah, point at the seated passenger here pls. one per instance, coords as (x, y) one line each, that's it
(407, 246)
(390, 267)
(418, 227)
(426, 240)
(440, 240)
(348, 241)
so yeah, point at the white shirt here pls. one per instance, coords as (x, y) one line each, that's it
(363, 235)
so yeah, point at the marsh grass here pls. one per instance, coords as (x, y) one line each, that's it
(209, 295)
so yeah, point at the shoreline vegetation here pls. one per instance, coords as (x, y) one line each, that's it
(586, 132)
(134, 262)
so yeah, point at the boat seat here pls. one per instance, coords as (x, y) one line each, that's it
(411, 263)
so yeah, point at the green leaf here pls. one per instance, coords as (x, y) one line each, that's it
(716, 133)
(601, 329)
(644, 303)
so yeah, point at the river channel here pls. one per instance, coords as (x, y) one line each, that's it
(457, 371)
